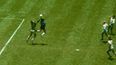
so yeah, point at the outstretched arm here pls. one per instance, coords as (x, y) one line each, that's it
(39, 20)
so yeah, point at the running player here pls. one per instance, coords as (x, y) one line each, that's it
(32, 32)
(42, 25)
(105, 27)
(111, 24)
(111, 47)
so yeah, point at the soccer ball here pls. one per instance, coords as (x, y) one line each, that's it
(77, 49)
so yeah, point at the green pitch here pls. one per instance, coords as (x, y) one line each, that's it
(71, 25)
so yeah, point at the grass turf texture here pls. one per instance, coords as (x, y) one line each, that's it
(74, 24)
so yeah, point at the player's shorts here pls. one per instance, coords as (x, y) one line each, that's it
(33, 30)
(42, 27)
(111, 25)
(104, 31)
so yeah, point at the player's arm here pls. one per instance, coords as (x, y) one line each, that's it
(113, 21)
(39, 20)
(110, 46)
(31, 24)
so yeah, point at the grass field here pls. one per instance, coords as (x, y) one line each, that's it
(71, 24)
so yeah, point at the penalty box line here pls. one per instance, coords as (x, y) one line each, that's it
(1, 51)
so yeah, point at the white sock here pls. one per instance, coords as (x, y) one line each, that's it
(38, 30)
(42, 33)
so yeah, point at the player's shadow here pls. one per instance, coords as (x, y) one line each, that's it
(111, 59)
(42, 44)
(104, 41)
(113, 34)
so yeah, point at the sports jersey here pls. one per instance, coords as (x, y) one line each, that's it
(112, 21)
(105, 26)
(42, 22)
(33, 25)
(110, 43)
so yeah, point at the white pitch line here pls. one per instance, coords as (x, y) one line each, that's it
(11, 37)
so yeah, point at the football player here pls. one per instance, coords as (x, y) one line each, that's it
(111, 47)
(105, 29)
(111, 24)
(33, 30)
(42, 25)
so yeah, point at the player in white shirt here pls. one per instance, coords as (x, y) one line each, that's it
(111, 47)
(105, 29)
(111, 24)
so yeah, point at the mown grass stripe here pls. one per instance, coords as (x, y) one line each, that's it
(69, 50)
(94, 40)
(7, 6)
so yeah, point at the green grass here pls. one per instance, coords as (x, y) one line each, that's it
(70, 25)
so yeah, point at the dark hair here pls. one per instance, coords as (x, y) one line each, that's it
(113, 16)
(109, 38)
(104, 22)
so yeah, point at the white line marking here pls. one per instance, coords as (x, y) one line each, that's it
(11, 37)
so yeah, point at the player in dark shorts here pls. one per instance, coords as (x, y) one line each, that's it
(104, 31)
(111, 47)
(43, 25)
(111, 24)
(32, 32)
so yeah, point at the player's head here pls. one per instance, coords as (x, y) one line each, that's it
(104, 22)
(109, 37)
(109, 17)
(113, 16)
(32, 19)
(41, 15)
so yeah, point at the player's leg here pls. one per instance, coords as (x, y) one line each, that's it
(33, 38)
(105, 32)
(108, 52)
(44, 30)
(113, 52)
(39, 30)
(102, 35)
(112, 29)
(29, 36)
(109, 29)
